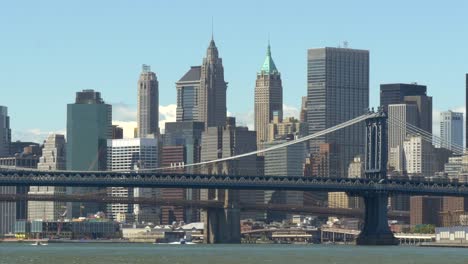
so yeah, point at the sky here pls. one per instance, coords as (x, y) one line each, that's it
(49, 50)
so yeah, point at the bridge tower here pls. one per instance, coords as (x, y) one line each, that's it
(376, 230)
(222, 225)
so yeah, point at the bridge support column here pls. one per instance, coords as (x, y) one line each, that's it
(376, 230)
(222, 225)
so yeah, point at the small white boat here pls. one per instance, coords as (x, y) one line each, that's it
(38, 243)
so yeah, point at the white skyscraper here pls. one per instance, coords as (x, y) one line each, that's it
(132, 155)
(398, 116)
(451, 130)
(419, 156)
(53, 158)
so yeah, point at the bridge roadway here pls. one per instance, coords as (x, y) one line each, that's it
(167, 180)
(287, 208)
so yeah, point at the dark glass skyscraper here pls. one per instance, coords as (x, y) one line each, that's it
(466, 112)
(89, 126)
(401, 93)
(187, 90)
(337, 91)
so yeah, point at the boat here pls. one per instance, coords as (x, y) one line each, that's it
(38, 243)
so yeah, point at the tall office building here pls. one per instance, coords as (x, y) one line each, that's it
(5, 132)
(400, 93)
(148, 103)
(173, 157)
(89, 126)
(451, 130)
(132, 155)
(419, 156)
(466, 109)
(337, 91)
(398, 116)
(187, 94)
(185, 136)
(425, 210)
(7, 209)
(226, 141)
(211, 96)
(283, 162)
(268, 97)
(53, 158)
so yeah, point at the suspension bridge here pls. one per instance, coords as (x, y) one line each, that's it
(223, 224)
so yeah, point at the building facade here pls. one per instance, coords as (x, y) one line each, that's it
(227, 141)
(5, 132)
(451, 130)
(337, 91)
(133, 155)
(288, 126)
(53, 158)
(268, 97)
(419, 156)
(212, 92)
(282, 162)
(398, 116)
(89, 126)
(187, 95)
(148, 103)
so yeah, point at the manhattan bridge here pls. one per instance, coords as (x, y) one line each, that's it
(222, 219)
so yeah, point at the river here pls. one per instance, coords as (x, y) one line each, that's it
(19, 253)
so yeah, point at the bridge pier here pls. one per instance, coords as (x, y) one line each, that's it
(376, 230)
(222, 225)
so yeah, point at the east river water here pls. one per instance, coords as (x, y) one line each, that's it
(225, 254)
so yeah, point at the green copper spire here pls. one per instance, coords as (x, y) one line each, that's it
(269, 66)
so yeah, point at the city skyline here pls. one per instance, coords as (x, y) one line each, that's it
(53, 50)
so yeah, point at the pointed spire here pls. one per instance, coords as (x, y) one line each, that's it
(269, 66)
(212, 30)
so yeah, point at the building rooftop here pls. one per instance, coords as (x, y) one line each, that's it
(192, 75)
(269, 66)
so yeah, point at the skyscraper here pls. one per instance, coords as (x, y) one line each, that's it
(5, 132)
(227, 141)
(131, 155)
(7, 209)
(53, 158)
(89, 125)
(187, 94)
(451, 130)
(337, 91)
(148, 103)
(466, 109)
(398, 116)
(268, 97)
(400, 93)
(395, 93)
(212, 93)
(283, 162)
(185, 136)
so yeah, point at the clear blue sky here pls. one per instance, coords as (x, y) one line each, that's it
(51, 49)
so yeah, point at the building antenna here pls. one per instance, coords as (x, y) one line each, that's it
(212, 28)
